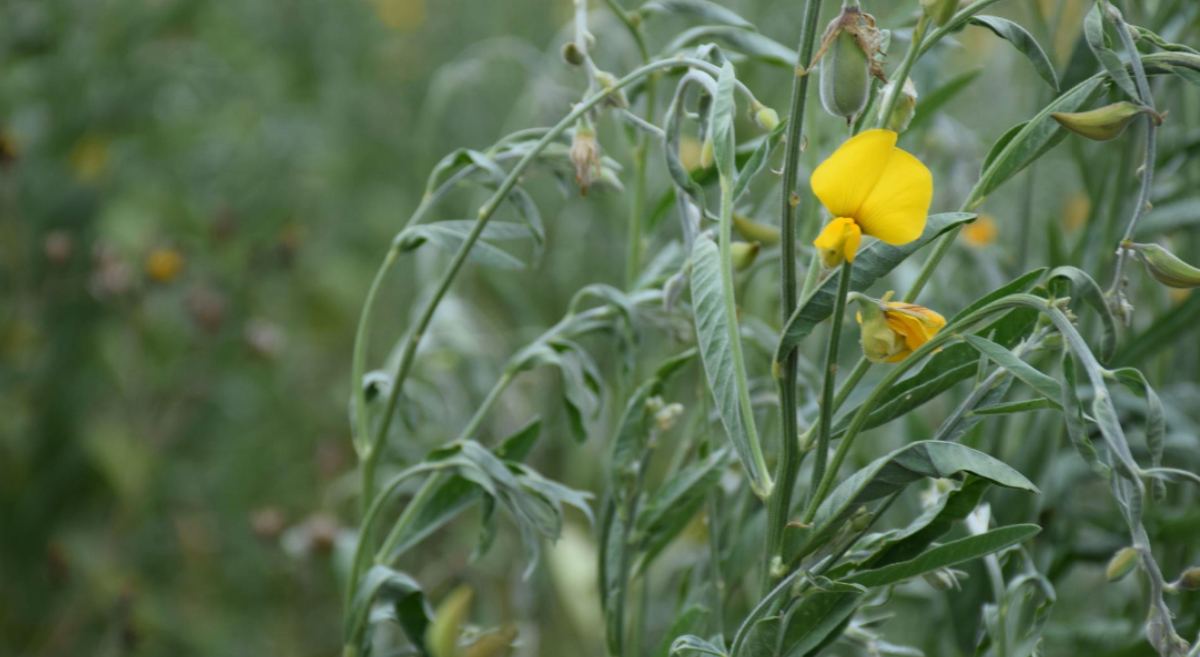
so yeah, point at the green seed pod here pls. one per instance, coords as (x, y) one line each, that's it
(442, 635)
(744, 254)
(906, 106)
(1103, 123)
(1164, 266)
(1122, 563)
(940, 10)
(845, 77)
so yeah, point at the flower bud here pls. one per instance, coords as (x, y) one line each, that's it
(845, 77)
(1164, 266)
(1103, 123)
(442, 634)
(585, 156)
(707, 153)
(942, 579)
(572, 55)
(1189, 580)
(766, 118)
(667, 416)
(609, 81)
(1122, 563)
(744, 254)
(906, 105)
(940, 10)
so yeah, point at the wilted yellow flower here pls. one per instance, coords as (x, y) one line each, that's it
(980, 232)
(164, 265)
(585, 156)
(892, 330)
(870, 187)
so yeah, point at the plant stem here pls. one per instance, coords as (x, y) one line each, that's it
(898, 78)
(779, 505)
(826, 410)
(1143, 202)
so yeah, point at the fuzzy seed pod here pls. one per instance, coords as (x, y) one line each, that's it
(1103, 123)
(845, 77)
(1122, 563)
(1165, 267)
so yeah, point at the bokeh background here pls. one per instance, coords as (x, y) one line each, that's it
(193, 199)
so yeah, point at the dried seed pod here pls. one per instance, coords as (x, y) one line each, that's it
(1104, 123)
(1164, 266)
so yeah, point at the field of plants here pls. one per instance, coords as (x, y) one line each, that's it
(604, 328)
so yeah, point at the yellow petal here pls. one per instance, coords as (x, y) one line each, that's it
(896, 208)
(838, 241)
(845, 180)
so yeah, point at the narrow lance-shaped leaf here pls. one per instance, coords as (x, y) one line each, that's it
(1023, 41)
(1093, 32)
(870, 265)
(1083, 285)
(1034, 378)
(749, 43)
(705, 10)
(942, 556)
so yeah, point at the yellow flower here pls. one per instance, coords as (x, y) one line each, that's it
(980, 232)
(164, 265)
(870, 187)
(892, 330)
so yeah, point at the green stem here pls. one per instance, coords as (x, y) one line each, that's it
(826, 410)
(898, 78)
(779, 505)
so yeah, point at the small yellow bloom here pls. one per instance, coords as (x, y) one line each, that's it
(892, 330)
(981, 232)
(164, 265)
(870, 187)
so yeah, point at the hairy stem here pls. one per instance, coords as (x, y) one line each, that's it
(901, 74)
(780, 503)
(826, 410)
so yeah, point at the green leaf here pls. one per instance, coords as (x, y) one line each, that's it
(1073, 414)
(893, 472)
(1034, 378)
(673, 506)
(381, 583)
(818, 616)
(684, 623)
(1156, 422)
(633, 429)
(691, 643)
(457, 494)
(1028, 141)
(1093, 32)
(582, 381)
(1039, 404)
(749, 43)
(451, 238)
(716, 350)
(1083, 285)
(1022, 41)
(721, 124)
(1022, 283)
(870, 265)
(942, 556)
(931, 525)
(709, 12)
(757, 160)
(928, 105)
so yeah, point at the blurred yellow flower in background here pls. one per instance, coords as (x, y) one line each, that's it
(401, 15)
(891, 330)
(981, 232)
(1076, 211)
(89, 157)
(870, 187)
(164, 264)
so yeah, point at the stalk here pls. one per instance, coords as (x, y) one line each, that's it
(827, 398)
(898, 78)
(780, 502)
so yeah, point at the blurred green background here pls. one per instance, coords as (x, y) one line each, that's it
(194, 197)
